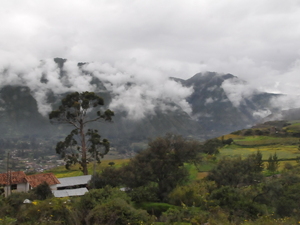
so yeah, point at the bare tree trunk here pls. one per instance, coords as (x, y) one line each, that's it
(83, 149)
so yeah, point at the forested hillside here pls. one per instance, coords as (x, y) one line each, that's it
(205, 106)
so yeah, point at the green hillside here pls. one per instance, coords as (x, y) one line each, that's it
(280, 137)
(175, 181)
(61, 171)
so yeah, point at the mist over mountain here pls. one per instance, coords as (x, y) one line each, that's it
(145, 103)
(223, 103)
(289, 114)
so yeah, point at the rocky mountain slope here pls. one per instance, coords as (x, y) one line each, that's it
(216, 108)
(216, 111)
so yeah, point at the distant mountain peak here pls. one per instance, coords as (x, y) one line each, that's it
(209, 76)
(228, 76)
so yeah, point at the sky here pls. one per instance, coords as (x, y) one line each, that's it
(257, 41)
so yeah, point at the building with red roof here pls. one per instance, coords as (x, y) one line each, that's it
(20, 182)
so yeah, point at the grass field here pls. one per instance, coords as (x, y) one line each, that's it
(282, 151)
(266, 140)
(294, 127)
(61, 171)
(284, 147)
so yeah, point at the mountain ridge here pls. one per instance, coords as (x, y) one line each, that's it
(212, 111)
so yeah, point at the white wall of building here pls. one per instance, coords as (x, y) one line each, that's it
(53, 187)
(23, 187)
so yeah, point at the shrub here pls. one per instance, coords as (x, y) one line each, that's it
(155, 208)
(194, 194)
(144, 194)
(96, 197)
(8, 221)
(237, 171)
(117, 211)
(248, 132)
(14, 202)
(49, 211)
(184, 214)
(42, 191)
(110, 176)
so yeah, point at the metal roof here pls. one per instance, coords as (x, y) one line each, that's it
(73, 181)
(69, 192)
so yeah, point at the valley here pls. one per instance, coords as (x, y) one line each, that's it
(207, 154)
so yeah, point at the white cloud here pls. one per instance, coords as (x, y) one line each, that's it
(237, 91)
(189, 33)
(209, 100)
(138, 89)
(150, 40)
(286, 102)
(263, 113)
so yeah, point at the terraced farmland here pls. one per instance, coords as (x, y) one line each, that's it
(282, 140)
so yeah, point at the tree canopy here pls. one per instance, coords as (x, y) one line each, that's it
(237, 171)
(81, 145)
(160, 166)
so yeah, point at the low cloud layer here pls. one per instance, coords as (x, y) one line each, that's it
(137, 90)
(140, 90)
(252, 39)
(238, 90)
(258, 41)
(33, 73)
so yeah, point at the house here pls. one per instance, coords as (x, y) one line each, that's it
(62, 187)
(20, 182)
(72, 186)
(13, 181)
(73, 182)
(69, 192)
(37, 179)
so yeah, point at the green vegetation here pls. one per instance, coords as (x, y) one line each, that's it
(279, 137)
(293, 128)
(237, 171)
(42, 192)
(161, 167)
(238, 179)
(81, 145)
(73, 171)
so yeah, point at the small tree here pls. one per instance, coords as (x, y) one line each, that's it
(273, 163)
(211, 147)
(80, 145)
(111, 163)
(42, 191)
(237, 171)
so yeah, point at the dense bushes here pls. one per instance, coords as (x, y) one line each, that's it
(49, 211)
(194, 194)
(237, 171)
(99, 206)
(157, 188)
(117, 211)
(159, 168)
(274, 200)
(42, 192)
